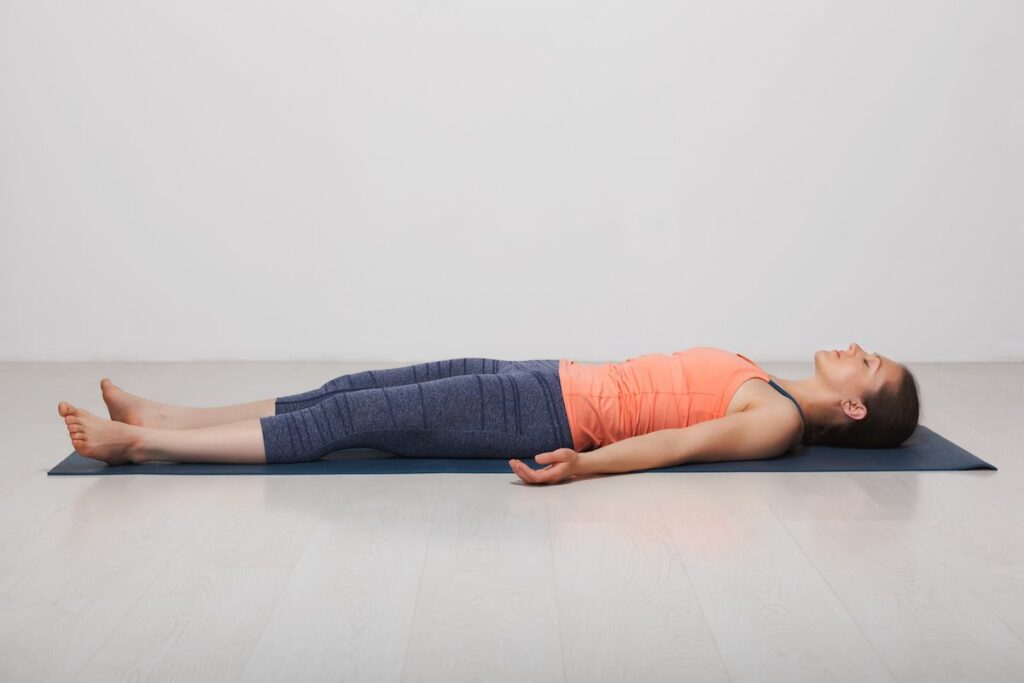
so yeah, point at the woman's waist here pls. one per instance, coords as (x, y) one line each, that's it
(614, 401)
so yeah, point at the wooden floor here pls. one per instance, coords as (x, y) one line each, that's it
(859, 576)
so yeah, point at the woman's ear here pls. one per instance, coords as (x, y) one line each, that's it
(854, 409)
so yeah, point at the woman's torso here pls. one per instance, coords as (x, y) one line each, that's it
(614, 401)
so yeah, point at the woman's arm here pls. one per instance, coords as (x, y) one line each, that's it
(746, 435)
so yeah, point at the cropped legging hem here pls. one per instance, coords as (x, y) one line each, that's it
(454, 408)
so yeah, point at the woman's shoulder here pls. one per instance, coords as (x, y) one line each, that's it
(762, 397)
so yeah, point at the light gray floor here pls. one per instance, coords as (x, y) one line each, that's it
(871, 576)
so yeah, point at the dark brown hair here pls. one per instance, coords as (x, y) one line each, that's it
(893, 412)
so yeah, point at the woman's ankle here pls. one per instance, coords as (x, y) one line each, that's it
(138, 450)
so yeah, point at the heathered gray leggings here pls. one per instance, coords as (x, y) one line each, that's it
(453, 408)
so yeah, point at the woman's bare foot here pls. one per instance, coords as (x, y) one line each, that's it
(132, 409)
(115, 443)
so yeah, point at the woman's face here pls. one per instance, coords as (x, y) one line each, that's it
(852, 372)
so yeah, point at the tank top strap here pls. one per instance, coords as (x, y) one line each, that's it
(786, 394)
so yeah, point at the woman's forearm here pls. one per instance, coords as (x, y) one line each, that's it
(644, 452)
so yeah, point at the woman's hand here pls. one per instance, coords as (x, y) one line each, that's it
(562, 464)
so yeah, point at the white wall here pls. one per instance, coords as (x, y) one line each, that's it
(407, 181)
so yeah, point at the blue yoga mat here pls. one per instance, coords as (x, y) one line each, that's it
(924, 450)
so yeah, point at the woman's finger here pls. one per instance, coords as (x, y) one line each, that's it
(518, 467)
(554, 475)
(530, 475)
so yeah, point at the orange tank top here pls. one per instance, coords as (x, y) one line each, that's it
(614, 401)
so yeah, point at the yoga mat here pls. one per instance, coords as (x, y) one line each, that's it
(924, 450)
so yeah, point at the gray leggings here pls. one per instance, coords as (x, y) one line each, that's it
(453, 408)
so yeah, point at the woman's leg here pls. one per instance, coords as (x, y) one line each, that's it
(142, 412)
(392, 377)
(514, 413)
(139, 411)
(119, 443)
(236, 442)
